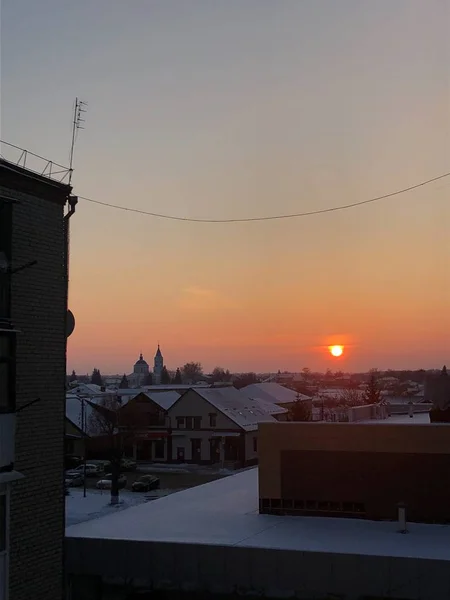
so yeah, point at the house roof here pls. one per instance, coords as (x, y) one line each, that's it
(74, 412)
(164, 399)
(242, 410)
(273, 392)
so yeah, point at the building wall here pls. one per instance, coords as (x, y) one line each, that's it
(39, 303)
(192, 404)
(355, 470)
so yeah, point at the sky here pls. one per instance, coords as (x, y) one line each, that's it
(233, 109)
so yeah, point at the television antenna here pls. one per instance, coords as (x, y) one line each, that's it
(79, 109)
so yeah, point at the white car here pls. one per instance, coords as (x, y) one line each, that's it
(91, 470)
(105, 482)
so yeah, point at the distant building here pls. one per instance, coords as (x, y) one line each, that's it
(158, 367)
(140, 372)
(33, 315)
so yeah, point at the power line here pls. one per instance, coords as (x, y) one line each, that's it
(272, 217)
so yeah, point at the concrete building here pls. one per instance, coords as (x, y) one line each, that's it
(211, 538)
(363, 470)
(33, 309)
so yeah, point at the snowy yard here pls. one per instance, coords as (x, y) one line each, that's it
(97, 503)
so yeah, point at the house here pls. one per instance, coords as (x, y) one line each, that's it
(274, 393)
(34, 223)
(145, 418)
(217, 425)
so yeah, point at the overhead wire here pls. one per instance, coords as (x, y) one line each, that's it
(270, 217)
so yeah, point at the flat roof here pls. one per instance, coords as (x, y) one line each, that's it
(225, 512)
(417, 419)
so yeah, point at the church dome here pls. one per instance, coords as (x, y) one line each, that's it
(158, 353)
(141, 361)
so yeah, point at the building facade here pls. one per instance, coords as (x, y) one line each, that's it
(33, 310)
(355, 470)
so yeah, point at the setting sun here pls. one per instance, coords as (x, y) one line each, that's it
(336, 350)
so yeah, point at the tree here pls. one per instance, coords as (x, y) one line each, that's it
(177, 379)
(301, 410)
(148, 379)
(351, 397)
(306, 374)
(105, 421)
(192, 371)
(372, 395)
(245, 379)
(219, 374)
(96, 377)
(123, 383)
(165, 377)
(73, 377)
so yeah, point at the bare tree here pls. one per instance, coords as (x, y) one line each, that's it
(350, 397)
(301, 410)
(192, 371)
(105, 421)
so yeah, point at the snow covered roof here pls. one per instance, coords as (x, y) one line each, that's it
(74, 413)
(237, 406)
(225, 513)
(90, 389)
(163, 399)
(273, 392)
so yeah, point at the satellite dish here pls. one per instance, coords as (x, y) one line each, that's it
(70, 323)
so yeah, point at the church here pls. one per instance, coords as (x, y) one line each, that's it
(141, 370)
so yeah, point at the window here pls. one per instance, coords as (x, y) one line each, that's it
(7, 395)
(197, 422)
(180, 422)
(212, 420)
(189, 423)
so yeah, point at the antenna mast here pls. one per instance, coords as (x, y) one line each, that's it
(79, 109)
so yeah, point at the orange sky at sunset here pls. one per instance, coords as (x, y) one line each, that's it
(239, 109)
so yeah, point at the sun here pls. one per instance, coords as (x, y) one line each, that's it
(336, 351)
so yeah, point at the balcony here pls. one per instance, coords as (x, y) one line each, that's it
(7, 439)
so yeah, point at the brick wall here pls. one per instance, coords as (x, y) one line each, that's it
(39, 300)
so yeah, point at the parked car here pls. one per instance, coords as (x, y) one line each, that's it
(73, 478)
(104, 464)
(71, 461)
(105, 482)
(146, 483)
(92, 470)
(128, 464)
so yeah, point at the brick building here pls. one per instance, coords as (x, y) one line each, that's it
(33, 309)
(355, 470)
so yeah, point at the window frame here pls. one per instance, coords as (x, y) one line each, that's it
(197, 422)
(213, 420)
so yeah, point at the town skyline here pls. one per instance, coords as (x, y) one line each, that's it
(241, 110)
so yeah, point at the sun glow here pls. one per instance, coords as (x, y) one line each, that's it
(336, 351)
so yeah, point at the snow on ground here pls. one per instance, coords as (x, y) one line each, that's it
(98, 504)
(225, 512)
(187, 468)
